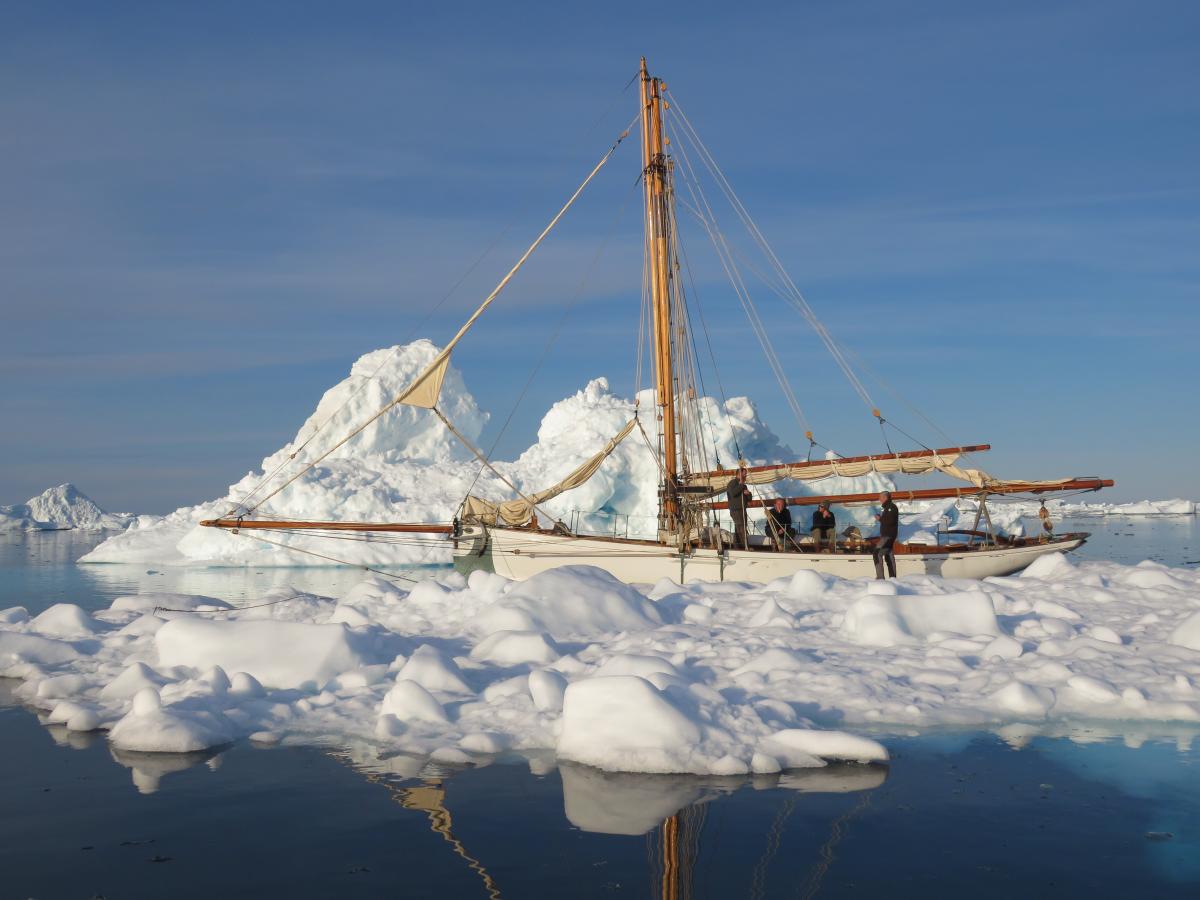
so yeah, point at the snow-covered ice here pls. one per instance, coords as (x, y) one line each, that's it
(625, 678)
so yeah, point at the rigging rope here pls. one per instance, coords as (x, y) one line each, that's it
(553, 338)
(794, 295)
(341, 562)
(412, 331)
(487, 463)
(358, 388)
(467, 325)
(721, 246)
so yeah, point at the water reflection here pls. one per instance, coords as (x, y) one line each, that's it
(148, 769)
(968, 807)
(624, 803)
(669, 809)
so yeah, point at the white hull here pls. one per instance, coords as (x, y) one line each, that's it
(518, 554)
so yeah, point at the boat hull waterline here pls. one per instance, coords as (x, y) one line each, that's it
(519, 554)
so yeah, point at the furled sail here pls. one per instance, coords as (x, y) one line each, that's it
(518, 512)
(902, 464)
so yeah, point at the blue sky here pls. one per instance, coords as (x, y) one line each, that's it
(207, 212)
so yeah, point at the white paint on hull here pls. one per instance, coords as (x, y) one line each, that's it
(518, 554)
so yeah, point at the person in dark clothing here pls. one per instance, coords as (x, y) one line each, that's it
(738, 494)
(889, 530)
(823, 524)
(779, 524)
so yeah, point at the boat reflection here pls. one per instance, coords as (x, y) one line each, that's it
(623, 803)
(673, 811)
(670, 809)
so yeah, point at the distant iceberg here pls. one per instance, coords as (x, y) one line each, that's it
(59, 509)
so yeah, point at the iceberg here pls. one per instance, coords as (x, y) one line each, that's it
(61, 508)
(406, 467)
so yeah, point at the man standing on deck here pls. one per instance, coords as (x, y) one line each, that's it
(738, 494)
(889, 530)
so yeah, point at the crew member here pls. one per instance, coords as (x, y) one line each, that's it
(779, 524)
(889, 530)
(738, 494)
(1047, 525)
(823, 524)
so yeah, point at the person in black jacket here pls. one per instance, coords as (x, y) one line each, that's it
(779, 524)
(889, 530)
(739, 497)
(823, 524)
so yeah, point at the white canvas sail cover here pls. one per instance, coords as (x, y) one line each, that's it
(815, 471)
(896, 465)
(518, 512)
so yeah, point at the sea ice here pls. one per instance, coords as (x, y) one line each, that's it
(621, 677)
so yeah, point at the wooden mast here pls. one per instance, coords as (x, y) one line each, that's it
(654, 171)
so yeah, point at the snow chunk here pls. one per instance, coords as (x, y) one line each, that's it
(1188, 633)
(278, 654)
(798, 747)
(131, 682)
(64, 620)
(642, 665)
(623, 722)
(1023, 700)
(771, 615)
(16, 648)
(571, 601)
(151, 728)
(1003, 647)
(1051, 567)
(76, 716)
(434, 671)
(882, 621)
(547, 688)
(408, 701)
(774, 660)
(513, 648)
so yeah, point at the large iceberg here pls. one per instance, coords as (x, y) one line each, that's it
(406, 467)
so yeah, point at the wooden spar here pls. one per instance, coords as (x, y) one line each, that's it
(907, 454)
(284, 525)
(657, 223)
(1022, 487)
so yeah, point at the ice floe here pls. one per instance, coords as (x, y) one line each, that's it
(624, 678)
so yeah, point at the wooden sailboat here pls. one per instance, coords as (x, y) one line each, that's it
(690, 545)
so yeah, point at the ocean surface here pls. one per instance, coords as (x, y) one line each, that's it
(1081, 812)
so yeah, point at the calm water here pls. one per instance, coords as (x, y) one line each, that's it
(1091, 813)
